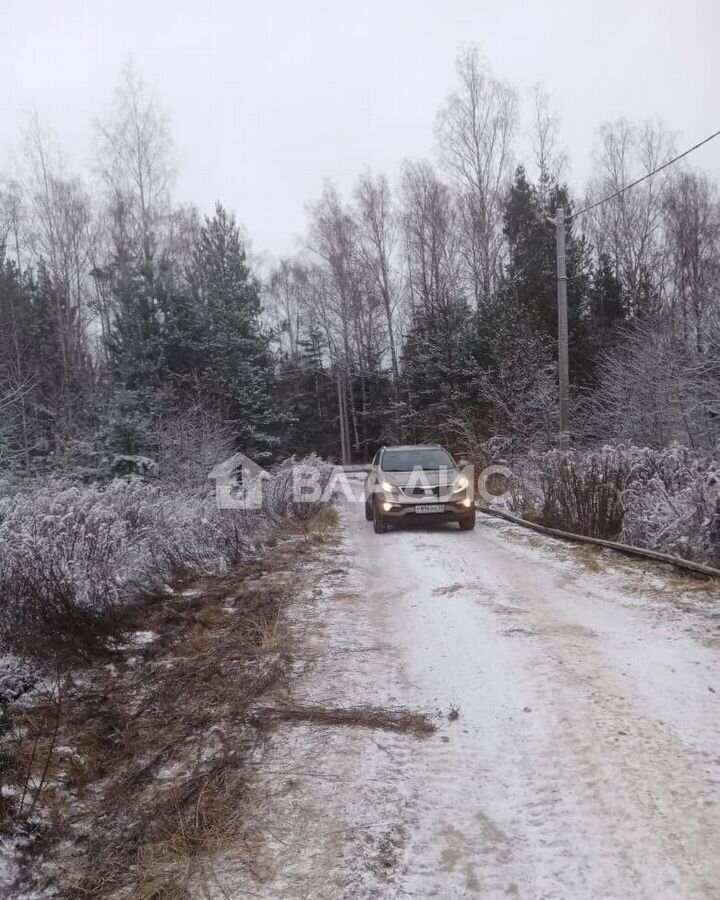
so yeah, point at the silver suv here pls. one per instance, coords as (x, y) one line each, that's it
(420, 481)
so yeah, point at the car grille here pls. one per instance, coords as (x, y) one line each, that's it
(416, 492)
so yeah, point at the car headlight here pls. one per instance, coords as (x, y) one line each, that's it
(461, 484)
(388, 488)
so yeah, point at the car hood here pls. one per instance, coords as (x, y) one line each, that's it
(430, 477)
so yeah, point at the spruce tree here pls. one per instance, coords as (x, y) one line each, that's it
(606, 308)
(308, 395)
(529, 286)
(237, 371)
(439, 371)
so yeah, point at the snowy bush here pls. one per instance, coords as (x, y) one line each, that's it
(297, 488)
(71, 556)
(16, 678)
(673, 503)
(582, 491)
(189, 444)
(661, 499)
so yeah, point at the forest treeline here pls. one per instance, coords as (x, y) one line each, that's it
(428, 302)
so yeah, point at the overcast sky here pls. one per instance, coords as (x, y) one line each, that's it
(267, 98)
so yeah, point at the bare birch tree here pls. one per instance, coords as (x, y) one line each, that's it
(550, 157)
(13, 224)
(61, 237)
(629, 228)
(476, 129)
(135, 163)
(378, 241)
(432, 239)
(692, 222)
(333, 239)
(290, 310)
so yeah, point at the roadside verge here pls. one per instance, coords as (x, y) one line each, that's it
(667, 558)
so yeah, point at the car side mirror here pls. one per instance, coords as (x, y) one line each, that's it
(462, 463)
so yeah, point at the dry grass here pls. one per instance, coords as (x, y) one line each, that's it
(321, 529)
(273, 636)
(398, 720)
(588, 556)
(197, 831)
(153, 754)
(149, 762)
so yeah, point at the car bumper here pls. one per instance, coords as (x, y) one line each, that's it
(450, 511)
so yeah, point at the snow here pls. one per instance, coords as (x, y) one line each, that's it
(10, 848)
(8, 870)
(16, 678)
(583, 763)
(142, 638)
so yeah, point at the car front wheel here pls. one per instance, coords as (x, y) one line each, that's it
(468, 523)
(380, 525)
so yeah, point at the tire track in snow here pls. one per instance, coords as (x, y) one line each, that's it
(585, 764)
(592, 794)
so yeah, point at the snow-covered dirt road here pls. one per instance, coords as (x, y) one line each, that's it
(585, 760)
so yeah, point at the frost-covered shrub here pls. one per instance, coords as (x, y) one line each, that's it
(71, 556)
(189, 444)
(124, 464)
(16, 678)
(655, 388)
(665, 499)
(673, 503)
(582, 491)
(297, 489)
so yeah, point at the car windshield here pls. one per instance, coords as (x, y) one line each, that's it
(407, 460)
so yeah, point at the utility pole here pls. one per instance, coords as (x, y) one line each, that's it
(563, 368)
(342, 417)
(346, 423)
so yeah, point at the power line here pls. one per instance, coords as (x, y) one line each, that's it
(645, 177)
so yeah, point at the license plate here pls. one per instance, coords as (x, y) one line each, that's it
(435, 508)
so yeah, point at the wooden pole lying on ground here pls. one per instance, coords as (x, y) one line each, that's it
(654, 555)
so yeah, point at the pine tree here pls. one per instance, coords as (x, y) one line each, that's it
(137, 352)
(606, 308)
(308, 396)
(530, 284)
(518, 375)
(237, 372)
(439, 371)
